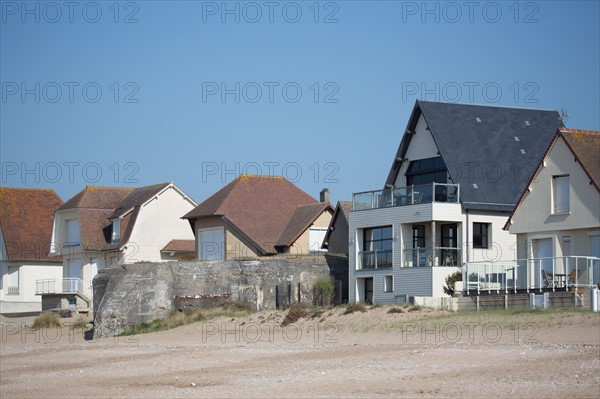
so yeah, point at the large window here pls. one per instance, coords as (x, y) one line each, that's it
(377, 247)
(481, 235)
(426, 171)
(560, 194)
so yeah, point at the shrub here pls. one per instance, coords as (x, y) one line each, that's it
(355, 307)
(46, 320)
(323, 292)
(450, 280)
(395, 310)
(81, 322)
(295, 313)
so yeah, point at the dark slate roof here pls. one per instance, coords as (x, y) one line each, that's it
(585, 145)
(491, 151)
(301, 220)
(342, 209)
(258, 206)
(26, 220)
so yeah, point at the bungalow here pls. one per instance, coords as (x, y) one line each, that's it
(557, 217)
(105, 226)
(257, 216)
(26, 217)
(457, 174)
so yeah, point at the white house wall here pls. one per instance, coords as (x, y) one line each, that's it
(535, 211)
(29, 272)
(159, 222)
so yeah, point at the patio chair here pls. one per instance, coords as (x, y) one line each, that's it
(547, 279)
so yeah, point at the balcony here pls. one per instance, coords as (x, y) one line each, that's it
(60, 286)
(12, 290)
(405, 196)
(378, 259)
(438, 256)
(541, 274)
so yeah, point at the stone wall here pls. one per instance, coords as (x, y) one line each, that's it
(134, 294)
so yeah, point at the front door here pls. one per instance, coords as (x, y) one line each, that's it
(543, 253)
(449, 253)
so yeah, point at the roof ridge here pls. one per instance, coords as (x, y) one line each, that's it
(488, 105)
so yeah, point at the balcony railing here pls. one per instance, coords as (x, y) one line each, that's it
(12, 290)
(377, 259)
(404, 196)
(560, 273)
(60, 286)
(440, 256)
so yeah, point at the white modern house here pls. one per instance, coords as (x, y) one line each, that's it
(457, 175)
(26, 218)
(109, 226)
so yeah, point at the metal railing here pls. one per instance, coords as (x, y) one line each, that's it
(378, 259)
(558, 273)
(71, 285)
(404, 196)
(439, 256)
(12, 290)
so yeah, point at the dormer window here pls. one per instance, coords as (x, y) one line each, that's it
(116, 230)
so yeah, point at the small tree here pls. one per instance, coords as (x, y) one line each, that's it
(450, 280)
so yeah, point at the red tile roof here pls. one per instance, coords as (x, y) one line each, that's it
(585, 145)
(259, 206)
(26, 219)
(301, 220)
(180, 246)
(97, 197)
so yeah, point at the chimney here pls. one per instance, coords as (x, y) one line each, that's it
(324, 197)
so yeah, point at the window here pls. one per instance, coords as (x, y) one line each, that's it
(388, 283)
(316, 235)
(425, 171)
(560, 194)
(481, 235)
(116, 230)
(73, 232)
(211, 244)
(377, 247)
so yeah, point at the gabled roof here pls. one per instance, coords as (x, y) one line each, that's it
(26, 219)
(585, 146)
(489, 150)
(138, 197)
(258, 206)
(342, 210)
(180, 246)
(301, 220)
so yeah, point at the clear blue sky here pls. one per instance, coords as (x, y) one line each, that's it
(137, 93)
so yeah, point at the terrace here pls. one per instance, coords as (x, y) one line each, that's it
(406, 196)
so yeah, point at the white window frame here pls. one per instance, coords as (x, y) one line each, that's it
(313, 236)
(561, 192)
(116, 230)
(388, 286)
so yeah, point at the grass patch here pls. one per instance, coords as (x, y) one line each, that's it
(46, 320)
(295, 313)
(355, 307)
(413, 308)
(81, 322)
(178, 318)
(395, 310)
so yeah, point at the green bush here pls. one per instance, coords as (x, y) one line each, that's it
(46, 320)
(450, 280)
(323, 292)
